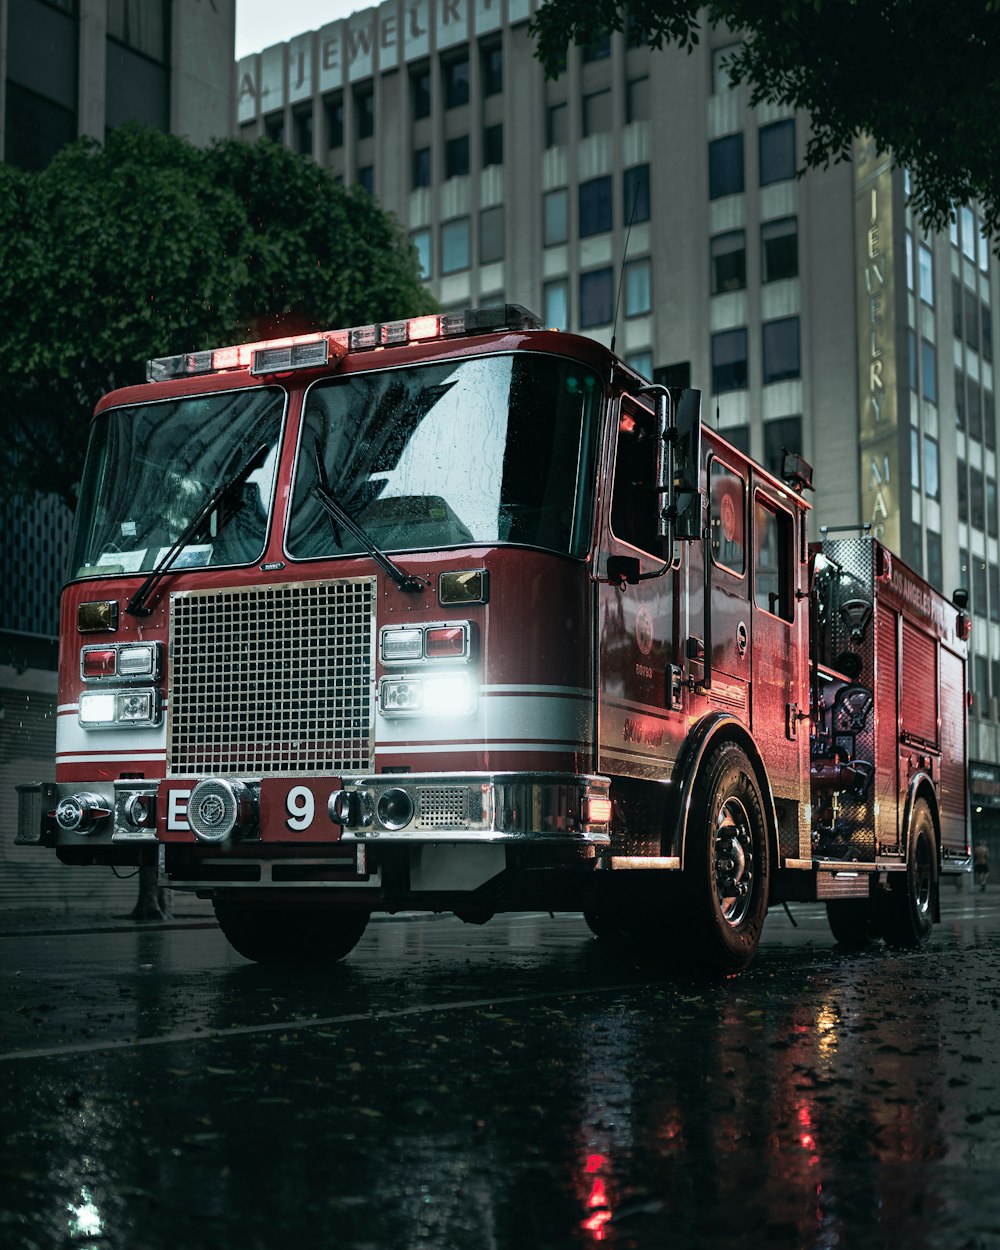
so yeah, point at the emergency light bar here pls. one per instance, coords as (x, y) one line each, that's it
(328, 347)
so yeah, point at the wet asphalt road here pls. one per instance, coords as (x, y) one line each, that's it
(509, 1086)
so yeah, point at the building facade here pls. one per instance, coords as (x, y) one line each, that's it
(70, 68)
(639, 196)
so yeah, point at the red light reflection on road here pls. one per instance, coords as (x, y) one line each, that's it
(597, 1199)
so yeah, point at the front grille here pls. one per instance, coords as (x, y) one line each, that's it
(272, 680)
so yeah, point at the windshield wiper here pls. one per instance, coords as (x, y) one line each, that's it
(322, 492)
(137, 604)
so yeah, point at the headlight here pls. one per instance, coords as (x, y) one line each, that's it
(122, 661)
(108, 709)
(443, 694)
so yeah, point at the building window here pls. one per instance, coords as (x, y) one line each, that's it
(556, 301)
(987, 332)
(333, 112)
(595, 206)
(956, 307)
(928, 371)
(456, 82)
(971, 320)
(963, 568)
(721, 57)
(781, 349)
(364, 112)
(138, 24)
(989, 420)
(635, 194)
(555, 205)
(728, 260)
(777, 152)
(556, 126)
(981, 677)
(641, 362)
(915, 458)
(596, 298)
(926, 261)
(365, 177)
(910, 281)
(421, 240)
(638, 288)
(963, 490)
(774, 543)
(959, 398)
(274, 127)
(739, 436)
(420, 92)
(779, 249)
(974, 410)
(994, 574)
(422, 168)
(493, 145)
(780, 436)
(35, 128)
(490, 235)
(491, 69)
(725, 166)
(968, 233)
(637, 100)
(935, 569)
(596, 113)
(456, 157)
(599, 50)
(729, 361)
(304, 132)
(977, 499)
(726, 516)
(455, 245)
(991, 507)
(932, 483)
(979, 596)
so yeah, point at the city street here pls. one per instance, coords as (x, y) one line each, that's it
(505, 1086)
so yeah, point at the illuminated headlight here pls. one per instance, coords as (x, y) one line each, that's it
(106, 709)
(443, 694)
(448, 694)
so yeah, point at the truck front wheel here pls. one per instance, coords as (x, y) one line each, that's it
(300, 933)
(726, 863)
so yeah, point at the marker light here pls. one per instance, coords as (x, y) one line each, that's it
(446, 642)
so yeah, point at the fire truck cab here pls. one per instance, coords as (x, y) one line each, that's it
(459, 614)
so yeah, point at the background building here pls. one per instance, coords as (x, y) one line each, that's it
(639, 196)
(71, 68)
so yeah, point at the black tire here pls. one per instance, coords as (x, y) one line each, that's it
(299, 933)
(726, 864)
(911, 903)
(852, 922)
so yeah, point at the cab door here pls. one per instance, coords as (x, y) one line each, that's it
(780, 664)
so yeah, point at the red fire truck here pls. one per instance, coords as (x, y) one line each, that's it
(459, 614)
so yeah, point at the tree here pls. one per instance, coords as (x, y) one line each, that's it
(921, 78)
(148, 246)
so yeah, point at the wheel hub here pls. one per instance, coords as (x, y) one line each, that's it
(733, 862)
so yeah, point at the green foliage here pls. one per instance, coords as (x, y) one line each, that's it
(147, 246)
(921, 78)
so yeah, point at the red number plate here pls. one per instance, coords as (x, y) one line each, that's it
(297, 810)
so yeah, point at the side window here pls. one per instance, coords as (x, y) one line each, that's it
(633, 497)
(774, 550)
(727, 509)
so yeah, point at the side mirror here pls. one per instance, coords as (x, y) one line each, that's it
(678, 466)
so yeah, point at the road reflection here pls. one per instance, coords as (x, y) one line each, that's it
(459, 1088)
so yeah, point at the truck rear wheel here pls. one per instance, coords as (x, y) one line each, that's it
(909, 908)
(852, 922)
(300, 933)
(726, 863)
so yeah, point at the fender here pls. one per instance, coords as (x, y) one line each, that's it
(706, 733)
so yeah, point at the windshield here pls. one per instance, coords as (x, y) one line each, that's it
(152, 468)
(487, 450)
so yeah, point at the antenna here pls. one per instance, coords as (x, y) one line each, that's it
(621, 276)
